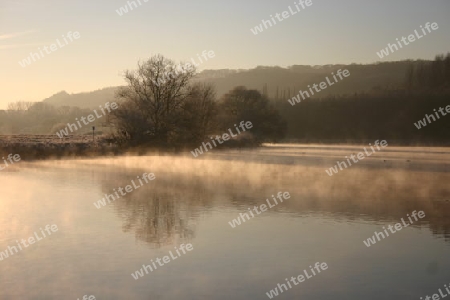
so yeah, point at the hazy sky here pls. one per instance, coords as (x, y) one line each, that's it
(329, 31)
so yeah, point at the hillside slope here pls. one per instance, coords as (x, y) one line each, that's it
(287, 81)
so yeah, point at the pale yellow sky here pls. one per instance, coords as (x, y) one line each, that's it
(326, 32)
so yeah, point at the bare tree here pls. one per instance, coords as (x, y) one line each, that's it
(156, 100)
(198, 115)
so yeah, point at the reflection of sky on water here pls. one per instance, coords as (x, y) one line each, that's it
(191, 200)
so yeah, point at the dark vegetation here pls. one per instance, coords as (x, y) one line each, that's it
(383, 113)
(364, 118)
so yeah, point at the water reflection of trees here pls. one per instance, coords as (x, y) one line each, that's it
(377, 195)
(155, 219)
(166, 210)
(162, 212)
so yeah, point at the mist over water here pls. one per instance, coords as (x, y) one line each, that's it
(192, 201)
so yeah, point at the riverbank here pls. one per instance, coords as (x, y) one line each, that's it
(31, 147)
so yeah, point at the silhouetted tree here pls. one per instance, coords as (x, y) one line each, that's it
(241, 104)
(158, 102)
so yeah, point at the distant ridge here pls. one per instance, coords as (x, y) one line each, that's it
(82, 100)
(285, 80)
(292, 79)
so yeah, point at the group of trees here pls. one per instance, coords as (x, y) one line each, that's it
(378, 114)
(430, 74)
(179, 112)
(367, 117)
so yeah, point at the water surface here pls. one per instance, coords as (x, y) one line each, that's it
(192, 200)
